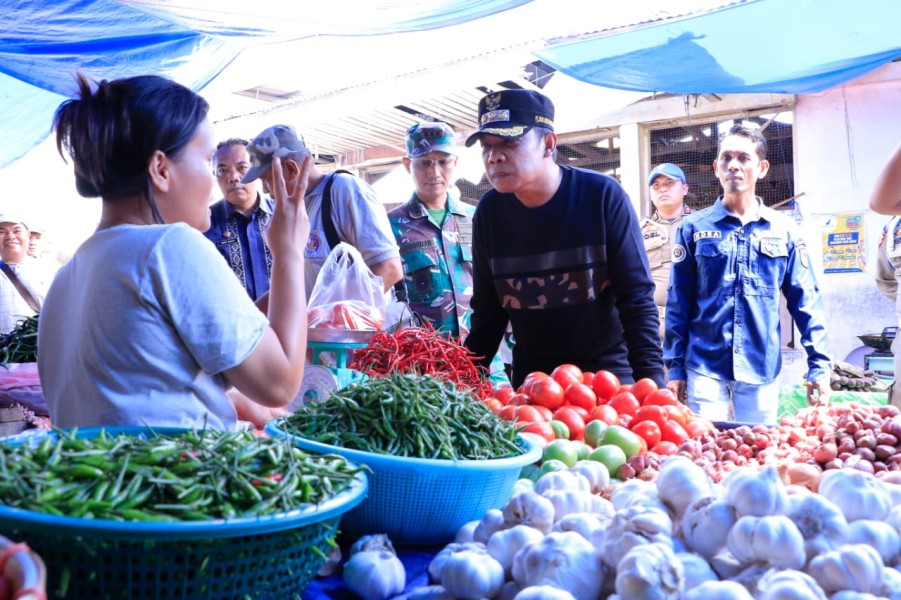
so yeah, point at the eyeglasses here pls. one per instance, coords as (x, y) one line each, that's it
(427, 163)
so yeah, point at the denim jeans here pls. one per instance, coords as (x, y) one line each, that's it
(720, 400)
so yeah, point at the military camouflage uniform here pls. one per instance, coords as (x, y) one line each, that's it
(658, 242)
(437, 261)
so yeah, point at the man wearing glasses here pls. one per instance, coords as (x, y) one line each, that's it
(239, 220)
(668, 188)
(434, 232)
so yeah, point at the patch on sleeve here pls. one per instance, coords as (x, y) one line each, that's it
(678, 253)
(802, 254)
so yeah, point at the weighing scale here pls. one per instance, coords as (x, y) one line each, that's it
(330, 354)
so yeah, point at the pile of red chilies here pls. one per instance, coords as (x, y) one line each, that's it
(422, 351)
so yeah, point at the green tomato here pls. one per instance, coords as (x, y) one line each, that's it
(562, 450)
(610, 456)
(551, 465)
(594, 432)
(530, 472)
(561, 429)
(582, 449)
(628, 441)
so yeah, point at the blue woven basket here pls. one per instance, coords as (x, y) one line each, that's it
(271, 556)
(418, 501)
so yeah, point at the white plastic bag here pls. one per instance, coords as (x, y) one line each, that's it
(347, 295)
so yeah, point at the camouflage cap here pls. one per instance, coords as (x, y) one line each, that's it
(278, 140)
(423, 138)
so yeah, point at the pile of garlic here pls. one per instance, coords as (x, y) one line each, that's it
(682, 537)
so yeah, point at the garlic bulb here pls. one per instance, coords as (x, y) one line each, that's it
(854, 567)
(706, 524)
(772, 540)
(636, 491)
(719, 590)
(650, 572)
(857, 494)
(375, 575)
(564, 560)
(821, 523)
(378, 541)
(466, 532)
(877, 534)
(697, 570)
(504, 544)
(492, 521)
(564, 479)
(437, 564)
(585, 524)
(567, 502)
(529, 508)
(756, 493)
(635, 526)
(595, 472)
(680, 482)
(472, 574)
(789, 585)
(543, 592)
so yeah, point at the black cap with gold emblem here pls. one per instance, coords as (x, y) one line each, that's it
(512, 113)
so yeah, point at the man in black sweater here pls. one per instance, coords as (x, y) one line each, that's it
(558, 253)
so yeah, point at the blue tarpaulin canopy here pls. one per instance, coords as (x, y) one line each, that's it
(763, 46)
(793, 46)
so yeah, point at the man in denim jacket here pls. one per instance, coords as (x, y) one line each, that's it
(730, 263)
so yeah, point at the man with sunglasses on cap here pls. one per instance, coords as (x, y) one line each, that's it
(239, 220)
(342, 207)
(557, 253)
(668, 188)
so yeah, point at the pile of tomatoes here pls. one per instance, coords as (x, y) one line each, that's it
(561, 404)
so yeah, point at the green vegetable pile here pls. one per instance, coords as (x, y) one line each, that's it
(21, 344)
(406, 415)
(195, 475)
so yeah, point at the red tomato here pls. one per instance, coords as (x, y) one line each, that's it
(697, 426)
(573, 420)
(507, 413)
(587, 378)
(530, 380)
(605, 413)
(518, 398)
(664, 448)
(661, 397)
(579, 394)
(527, 414)
(642, 388)
(624, 420)
(566, 375)
(649, 430)
(678, 413)
(503, 394)
(546, 413)
(649, 412)
(547, 392)
(542, 429)
(625, 403)
(605, 384)
(582, 412)
(673, 432)
(626, 387)
(494, 404)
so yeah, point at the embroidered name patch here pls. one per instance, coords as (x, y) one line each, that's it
(707, 235)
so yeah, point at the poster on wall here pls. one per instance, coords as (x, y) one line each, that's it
(844, 248)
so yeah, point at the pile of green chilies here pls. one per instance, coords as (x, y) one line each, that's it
(196, 475)
(406, 415)
(21, 344)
